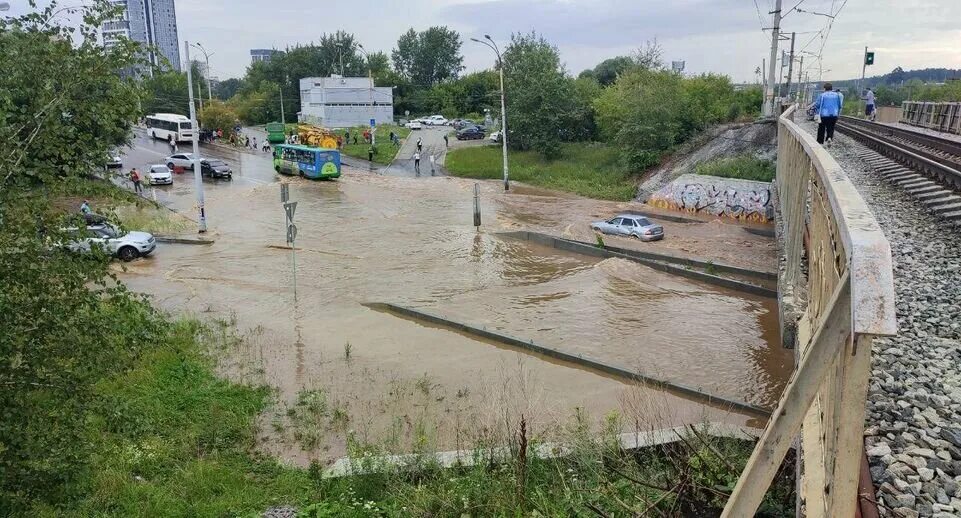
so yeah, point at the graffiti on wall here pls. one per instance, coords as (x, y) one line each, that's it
(739, 199)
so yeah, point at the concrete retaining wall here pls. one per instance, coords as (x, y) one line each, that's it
(728, 197)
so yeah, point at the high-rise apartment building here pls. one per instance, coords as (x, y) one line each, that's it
(151, 22)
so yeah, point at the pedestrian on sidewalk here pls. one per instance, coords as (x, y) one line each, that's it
(135, 178)
(417, 162)
(828, 107)
(869, 107)
(446, 142)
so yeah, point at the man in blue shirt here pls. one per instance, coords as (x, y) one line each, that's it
(828, 106)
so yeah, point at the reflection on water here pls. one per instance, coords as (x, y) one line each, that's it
(411, 242)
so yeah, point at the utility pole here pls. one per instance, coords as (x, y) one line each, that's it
(769, 89)
(800, 84)
(198, 177)
(370, 77)
(282, 119)
(790, 67)
(500, 64)
(864, 67)
(200, 92)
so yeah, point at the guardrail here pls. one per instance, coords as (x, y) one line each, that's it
(937, 116)
(850, 300)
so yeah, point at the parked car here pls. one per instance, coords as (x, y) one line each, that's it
(115, 161)
(495, 136)
(125, 245)
(216, 168)
(436, 120)
(470, 133)
(184, 160)
(413, 125)
(159, 174)
(630, 225)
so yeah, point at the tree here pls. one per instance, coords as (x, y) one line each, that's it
(218, 115)
(228, 88)
(606, 71)
(429, 57)
(63, 105)
(542, 105)
(166, 92)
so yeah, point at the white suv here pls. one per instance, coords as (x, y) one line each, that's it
(127, 246)
(436, 120)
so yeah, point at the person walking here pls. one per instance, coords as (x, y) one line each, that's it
(254, 147)
(347, 136)
(370, 154)
(85, 208)
(432, 165)
(246, 141)
(420, 144)
(446, 142)
(417, 162)
(828, 107)
(173, 144)
(135, 178)
(870, 110)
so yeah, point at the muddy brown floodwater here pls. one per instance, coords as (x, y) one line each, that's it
(400, 384)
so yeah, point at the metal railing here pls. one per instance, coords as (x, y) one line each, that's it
(850, 300)
(944, 117)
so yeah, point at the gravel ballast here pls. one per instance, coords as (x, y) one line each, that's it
(913, 421)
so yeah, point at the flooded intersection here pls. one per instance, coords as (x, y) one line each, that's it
(367, 238)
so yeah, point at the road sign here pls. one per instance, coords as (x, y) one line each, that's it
(373, 122)
(284, 192)
(869, 58)
(290, 208)
(291, 233)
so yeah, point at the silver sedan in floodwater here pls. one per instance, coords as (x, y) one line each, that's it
(630, 225)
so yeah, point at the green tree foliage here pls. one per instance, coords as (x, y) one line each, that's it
(543, 108)
(166, 92)
(259, 104)
(428, 57)
(606, 71)
(63, 105)
(218, 115)
(228, 88)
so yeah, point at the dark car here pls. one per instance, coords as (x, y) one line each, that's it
(471, 133)
(215, 168)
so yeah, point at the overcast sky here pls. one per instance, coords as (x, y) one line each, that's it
(722, 36)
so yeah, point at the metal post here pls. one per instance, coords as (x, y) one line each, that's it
(282, 120)
(800, 84)
(198, 177)
(500, 64)
(477, 211)
(775, 34)
(864, 66)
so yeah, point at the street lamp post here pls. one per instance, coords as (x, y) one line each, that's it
(370, 77)
(198, 180)
(500, 65)
(200, 47)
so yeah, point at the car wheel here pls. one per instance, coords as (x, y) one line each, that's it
(128, 253)
(170, 165)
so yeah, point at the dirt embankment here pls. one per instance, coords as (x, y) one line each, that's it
(759, 138)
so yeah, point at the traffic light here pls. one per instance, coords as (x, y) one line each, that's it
(868, 58)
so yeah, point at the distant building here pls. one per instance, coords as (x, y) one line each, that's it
(151, 22)
(342, 102)
(263, 54)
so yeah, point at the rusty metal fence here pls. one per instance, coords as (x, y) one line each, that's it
(849, 290)
(944, 117)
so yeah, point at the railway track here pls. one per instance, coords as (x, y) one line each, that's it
(925, 166)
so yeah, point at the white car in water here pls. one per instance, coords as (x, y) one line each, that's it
(125, 245)
(184, 160)
(159, 174)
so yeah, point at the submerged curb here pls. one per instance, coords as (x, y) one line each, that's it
(184, 240)
(664, 263)
(595, 365)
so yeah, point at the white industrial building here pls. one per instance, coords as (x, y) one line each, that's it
(344, 102)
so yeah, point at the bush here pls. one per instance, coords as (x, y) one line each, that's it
(744, 167)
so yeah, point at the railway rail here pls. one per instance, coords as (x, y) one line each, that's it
(926, 166)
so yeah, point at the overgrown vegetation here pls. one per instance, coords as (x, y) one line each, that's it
(588, 169)
(384, 150)
(743, 167)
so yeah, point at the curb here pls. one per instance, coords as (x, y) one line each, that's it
(184, 240)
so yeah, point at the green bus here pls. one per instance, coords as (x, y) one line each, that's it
(309, 162)
(275, 133)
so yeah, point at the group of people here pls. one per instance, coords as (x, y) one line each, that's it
(827, 108)
(417, 154)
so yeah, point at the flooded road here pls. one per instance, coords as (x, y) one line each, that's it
(410, 241)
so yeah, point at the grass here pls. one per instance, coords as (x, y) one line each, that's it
(743, 167)
(385, 150)
(590, 169)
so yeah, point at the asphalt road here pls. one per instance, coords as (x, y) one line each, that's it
(433, 144)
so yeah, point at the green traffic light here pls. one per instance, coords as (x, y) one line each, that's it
(869, 58)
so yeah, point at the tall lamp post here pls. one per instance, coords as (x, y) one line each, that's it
(370, 76)
(201, 48)
(500, 64)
